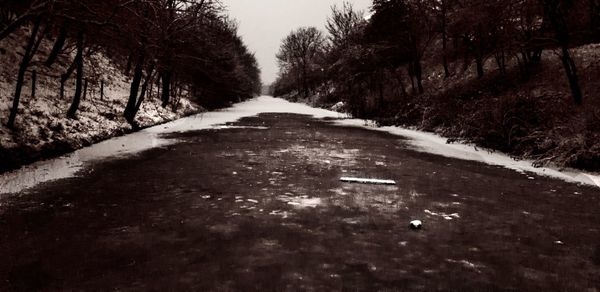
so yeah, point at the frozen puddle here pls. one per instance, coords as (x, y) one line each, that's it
(367, 181)
(301, 202)
(225, 127)
(443, 215)
(280, 213)
(467, 264)
(324, 156)
(382, 198)
(305, 202)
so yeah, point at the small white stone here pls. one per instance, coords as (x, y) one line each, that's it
(416, 224)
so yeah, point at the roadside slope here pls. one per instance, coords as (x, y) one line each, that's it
(42, 128)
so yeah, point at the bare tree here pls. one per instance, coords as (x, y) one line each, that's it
(556, 11)
(299, 50)
(32, 46)
(342, 24)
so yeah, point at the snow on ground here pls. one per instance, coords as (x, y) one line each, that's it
(42, 129)
(435, 144)
(70, 165)
(249, 108)
(421, 141)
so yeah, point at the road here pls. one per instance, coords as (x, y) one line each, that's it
(258, 206)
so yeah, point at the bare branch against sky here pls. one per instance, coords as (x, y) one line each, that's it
(264, 23)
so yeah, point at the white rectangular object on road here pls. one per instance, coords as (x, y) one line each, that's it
(368, 181)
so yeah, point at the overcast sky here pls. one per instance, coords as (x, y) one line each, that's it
(264, 23)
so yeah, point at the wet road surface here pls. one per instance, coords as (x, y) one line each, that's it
(259, 207)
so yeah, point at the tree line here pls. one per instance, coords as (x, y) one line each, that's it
(183, 46)
(389, 49)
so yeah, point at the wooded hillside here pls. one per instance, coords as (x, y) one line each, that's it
(518, 76)
(84, 68)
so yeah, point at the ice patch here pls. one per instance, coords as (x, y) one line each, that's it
(339, 192)
(467, 264)
(414, 194)
(307, 202)
(224, 127)
(279, 213)
(301, 201)
(367, 181)
(323, 155)
(444, 215)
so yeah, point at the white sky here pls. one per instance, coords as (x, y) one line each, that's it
(264, 23)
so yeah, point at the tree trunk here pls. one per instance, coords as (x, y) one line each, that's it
(27, 56)
(298, 83)
(417, 66)
(536, 56)
(166, 88)
(33, 83)
(479, 62)
(525, 65)
(479, 52)
(419, 75)
(158, 80)
(445, 62)
(129, 63)
(401, 83)
(62, 89)
(150, 89)
(445, 40)
(571, 71)
(594, 18)
(142, 96)
(305, 80)
(135, 86)
(552, 9)
(58, 45)
(411, 76)
(102, 89)
(501, 61)
(79, 79)
(176, 99)
(15, 25)
(65, 77)
(85, 88)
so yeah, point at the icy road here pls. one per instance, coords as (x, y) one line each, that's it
(250, 199)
